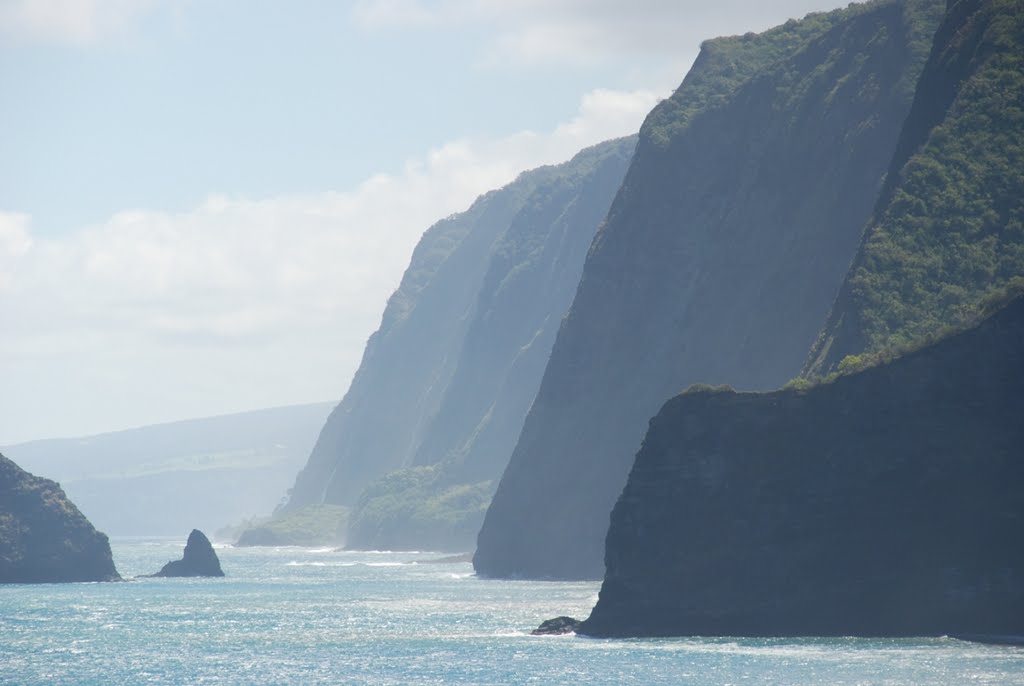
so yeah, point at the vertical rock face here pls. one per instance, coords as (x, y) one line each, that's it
(43, 536)
(887, 502)
(720, 257)
(378, 422)
(447, 380)
(949, 227)
(199, 559)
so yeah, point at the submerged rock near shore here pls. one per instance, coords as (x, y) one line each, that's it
(199, 559)
(556, 626)
(44, 538)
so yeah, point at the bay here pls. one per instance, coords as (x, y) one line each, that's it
(322, 616)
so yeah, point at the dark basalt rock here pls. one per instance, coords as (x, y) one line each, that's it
(199, 559)
(889, 502)
(558, 625)
(44, 538)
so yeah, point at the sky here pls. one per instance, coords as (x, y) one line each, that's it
(205, 204)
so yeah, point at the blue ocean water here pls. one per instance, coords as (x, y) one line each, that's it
(318, 616)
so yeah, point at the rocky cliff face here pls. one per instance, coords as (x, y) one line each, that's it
(446, 382)
(393, 393)
(531, 278)
(720, 257)
(887, 502)
(949, 227)
(43, 536)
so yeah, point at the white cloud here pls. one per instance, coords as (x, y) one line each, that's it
(76, 22)
(239, 303)
(584, 31)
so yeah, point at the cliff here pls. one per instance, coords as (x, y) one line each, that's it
(43, 536)
(446, 382)
(949, 227)
(884, 503)
(720, 257)
(532, 275)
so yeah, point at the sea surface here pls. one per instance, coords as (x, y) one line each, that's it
(320, 616)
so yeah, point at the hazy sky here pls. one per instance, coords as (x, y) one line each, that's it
(204, 205)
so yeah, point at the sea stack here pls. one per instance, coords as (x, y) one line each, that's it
(199, 559)
(44, 538)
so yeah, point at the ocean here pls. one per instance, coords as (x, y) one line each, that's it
(320, 616)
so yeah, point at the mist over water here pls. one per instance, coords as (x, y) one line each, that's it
(319, 616)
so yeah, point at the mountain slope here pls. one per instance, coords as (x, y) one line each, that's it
(721, 255)
(162, 479)
(949, 228)
(886, 502)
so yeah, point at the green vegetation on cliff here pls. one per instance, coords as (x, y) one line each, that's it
(726, 64)
(949, 228)
(419, 508)
(309, 525)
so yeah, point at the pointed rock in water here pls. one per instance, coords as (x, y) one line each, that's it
(199, 559)
(558, 625)
(44, 538)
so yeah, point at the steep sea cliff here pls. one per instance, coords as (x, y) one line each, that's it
(418, 442)
(719, 260)
(884, 503)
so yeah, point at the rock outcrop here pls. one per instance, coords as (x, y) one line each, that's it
(556, 626)
(718, 262)
(888, 502)
(199, 559)
(43, 536)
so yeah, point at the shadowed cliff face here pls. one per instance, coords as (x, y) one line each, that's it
(447, 380)
(887, 502)
(720, 257)
(43, 536)
(949, 226)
